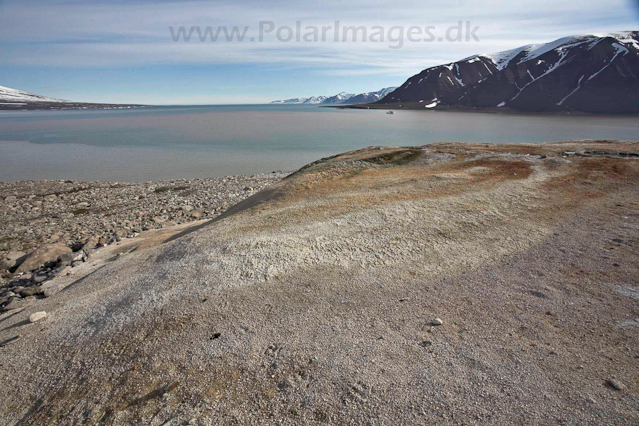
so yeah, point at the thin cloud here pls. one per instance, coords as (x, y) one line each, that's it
(121, 34)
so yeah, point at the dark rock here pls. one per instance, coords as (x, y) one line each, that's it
(31, 291)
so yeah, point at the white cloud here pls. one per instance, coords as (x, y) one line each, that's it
(102, 34)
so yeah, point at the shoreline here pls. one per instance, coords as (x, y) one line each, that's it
(55, 106)
(416, 106)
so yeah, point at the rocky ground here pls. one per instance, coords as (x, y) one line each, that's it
(444, 284)
(44, 220)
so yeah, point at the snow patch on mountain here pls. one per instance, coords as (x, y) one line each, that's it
(533, 51)
(339, 99)
(313, 100)
(502, 59)
(8, 95)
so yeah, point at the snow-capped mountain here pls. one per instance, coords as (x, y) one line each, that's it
(366, 98)
(12, 99)
(313, 100)
(589, 73)
(342, 98)
(8, 95)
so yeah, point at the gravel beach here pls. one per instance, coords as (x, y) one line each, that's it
(70, 213)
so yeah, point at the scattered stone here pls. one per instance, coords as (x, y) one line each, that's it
(55, 218)
(437, 321)
(37, 316)
(159, 219)
(616, 384)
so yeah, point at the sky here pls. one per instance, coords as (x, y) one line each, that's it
(121, 51)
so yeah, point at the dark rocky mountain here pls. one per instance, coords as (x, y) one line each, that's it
(598, 74)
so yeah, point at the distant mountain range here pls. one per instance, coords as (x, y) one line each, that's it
(340, 99)
(12, 99)
(590, 73)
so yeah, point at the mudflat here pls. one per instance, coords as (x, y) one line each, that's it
(444, 284)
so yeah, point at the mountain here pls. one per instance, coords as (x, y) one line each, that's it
(12, 99)
(588, 73)
(313, 100)
(365, 98)
(13, 96)
(342, 98)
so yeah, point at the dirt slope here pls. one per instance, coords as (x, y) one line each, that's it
(312, 301)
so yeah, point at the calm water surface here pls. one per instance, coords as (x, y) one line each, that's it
(201, 141)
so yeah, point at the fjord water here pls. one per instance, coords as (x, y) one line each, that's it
(162, 143)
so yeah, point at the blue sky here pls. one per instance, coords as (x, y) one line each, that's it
(122, 51)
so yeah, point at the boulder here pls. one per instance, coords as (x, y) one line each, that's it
(13, 259)
(50, 288)
(66, 259)
(38, 316)
(31, 291)
(91, 243)
(42, 255)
